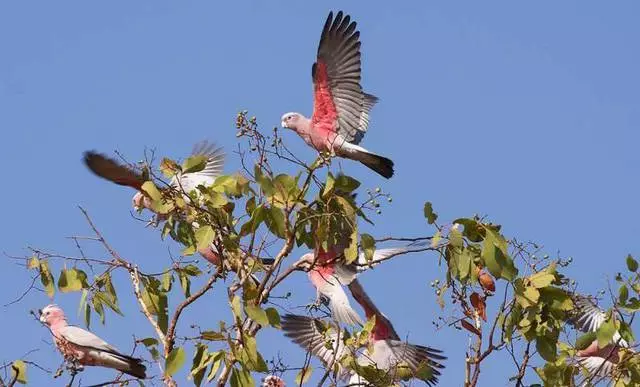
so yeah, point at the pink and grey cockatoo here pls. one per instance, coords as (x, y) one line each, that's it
(599, 362)
(110, 169)
(341, 108)
(389, 353)
(330, 274)
(82, 347)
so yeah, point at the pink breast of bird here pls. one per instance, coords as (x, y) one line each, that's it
(73, 352)
(322, 275)
(325, 115)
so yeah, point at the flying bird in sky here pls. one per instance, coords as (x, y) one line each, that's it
(110, 169)
(341, 108)
(85, 348)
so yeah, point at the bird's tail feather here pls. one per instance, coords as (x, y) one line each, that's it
(127, 364)
(345, 314)
(380, 164)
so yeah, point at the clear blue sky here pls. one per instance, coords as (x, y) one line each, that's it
(525, 112)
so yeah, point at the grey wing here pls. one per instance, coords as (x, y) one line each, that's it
(338, 62)
(417, 356)
(84, 338)
(313, 336)
(588, 317)
(378, 255)
(213, 168)
(597, 368)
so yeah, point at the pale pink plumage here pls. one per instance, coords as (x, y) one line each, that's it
(82, 347)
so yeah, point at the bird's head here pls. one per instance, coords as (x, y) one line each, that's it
(51, 314)
(291, 120)
(138, 201)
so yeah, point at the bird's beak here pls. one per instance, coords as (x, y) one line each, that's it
(42, 319)
(284, 124)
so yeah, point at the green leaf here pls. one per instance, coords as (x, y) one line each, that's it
(632, 264)
(464, 264)
(198, 368)
(152, 191)
(346, 184)
(429, 214)
(212, 336)
(368, 245)
(158, 204)
(494, 254)
(274, 317)
(328, 186)
(257, 217)
(257, 314)
(108, 301)
(275, 222)
(585, 340)
(623, 294)
(215, 365)
(606, 331)
(46, 278)
(168, 167)
(304, 375)
(204, 236)
(546, 348)
(236, 306)
(185, 283)
(626, 332)
(97, 306)
(194, 164)
(167, 281)
(19, 371)
(149, 342)
(72, 280)
(241, 378)
(175, 361)
(541, 279)
(351, 252)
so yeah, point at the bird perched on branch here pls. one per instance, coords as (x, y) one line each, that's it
(341, 108)
(81, 347)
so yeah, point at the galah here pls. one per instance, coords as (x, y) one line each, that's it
(82, 347)
(341, 108)
(330, 273)
(588, 317)
(389, 352)
(324, 341)
(110, 169)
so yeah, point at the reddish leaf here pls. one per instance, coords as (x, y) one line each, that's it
(487, 282)
(468, 326)
(480, 306)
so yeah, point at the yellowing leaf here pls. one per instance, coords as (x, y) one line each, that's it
(194, 164)
(274, 317)
(72, 280)
(257, 314)
(368, 245)
(46, 278)
(204, 236)
(19, 371)
(606, 331)
(304, 375)
(541, 280)
(175, 361)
